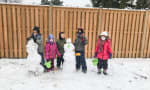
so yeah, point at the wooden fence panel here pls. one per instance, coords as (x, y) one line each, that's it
(128, 30)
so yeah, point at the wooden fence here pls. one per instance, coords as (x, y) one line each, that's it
(129, 30)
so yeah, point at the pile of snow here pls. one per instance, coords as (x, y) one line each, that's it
(33, 58)
(124, 74)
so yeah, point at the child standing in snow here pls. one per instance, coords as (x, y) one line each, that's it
(103, 52)
(60, 44)
(79, 44)
(51, 51)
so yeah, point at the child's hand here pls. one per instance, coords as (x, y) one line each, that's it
(95, 55)
(82, 39)
(110, 55)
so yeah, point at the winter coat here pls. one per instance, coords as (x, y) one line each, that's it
(51, 51)
(104, 53)
(60, 44)
(39, 40)
(80, 43)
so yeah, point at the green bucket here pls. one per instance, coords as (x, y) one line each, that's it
(48, 64)
(95, 61)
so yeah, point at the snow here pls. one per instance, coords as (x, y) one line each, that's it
(124, 74)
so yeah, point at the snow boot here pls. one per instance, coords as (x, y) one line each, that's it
(99, 72)
(105, 73)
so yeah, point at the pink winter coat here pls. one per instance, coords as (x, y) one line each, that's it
(51, 51)
(104, 54)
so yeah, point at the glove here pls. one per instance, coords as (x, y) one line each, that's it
(28, 39)
(83, 39)
(95, 55)
(110, 55)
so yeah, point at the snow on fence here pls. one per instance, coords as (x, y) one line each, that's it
(128, 30)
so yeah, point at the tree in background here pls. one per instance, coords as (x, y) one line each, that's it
(142, 4)
(45, 2)
(52, 2)
(111, 3)
(57, 2)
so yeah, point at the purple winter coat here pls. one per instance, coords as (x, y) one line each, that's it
(51, 51)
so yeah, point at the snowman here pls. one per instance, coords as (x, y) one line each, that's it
(69, 55)
(33, 59)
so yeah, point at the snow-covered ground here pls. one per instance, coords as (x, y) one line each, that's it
(124, 74)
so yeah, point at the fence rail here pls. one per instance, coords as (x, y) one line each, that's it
(129, 30)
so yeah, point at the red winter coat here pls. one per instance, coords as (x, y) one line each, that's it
(103, 54)
(51, 51)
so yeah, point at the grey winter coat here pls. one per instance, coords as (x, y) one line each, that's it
(80, 43)
(39, 40)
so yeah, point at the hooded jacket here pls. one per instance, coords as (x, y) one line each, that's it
(60, 44)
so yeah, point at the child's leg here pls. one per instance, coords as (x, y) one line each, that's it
(52, 64)
(62, 59)
(77, 62)
(100, 65)
(58, 62)
(105, 66)
(83, 62)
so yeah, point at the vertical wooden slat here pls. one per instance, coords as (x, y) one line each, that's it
(144, 33)
(136, 34)
(86, 30)
(58, 23)
(50, 20)
(90, 34)
(66, 23)
(125, 33)
(146, 38)
(54, 21)
(128, 34)
(117, 33)
(132, 35)
(74, 23)
(148, 49)
(23, 31)
(45, 33)
(10, 33)
(62, 20)
(140, 34)
(121, 35)
(70, 23)
(5, 31)
(15, 32)
(113, 33)
(95, 19)
(1, 33)
(19, 32)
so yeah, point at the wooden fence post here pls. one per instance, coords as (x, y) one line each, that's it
(99, 21)
(51, 19)
(144, 33)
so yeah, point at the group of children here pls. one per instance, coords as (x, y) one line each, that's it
(54, 49)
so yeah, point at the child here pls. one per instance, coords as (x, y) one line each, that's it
(103, 52)
(79, 44)
(51, 51)
(60, 44)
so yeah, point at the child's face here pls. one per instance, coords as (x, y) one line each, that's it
(51, 40)
(35, 32)
(62, 35)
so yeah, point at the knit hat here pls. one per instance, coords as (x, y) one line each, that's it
(50, 37)
(80, 31)
(104, 34)
(35, 28)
